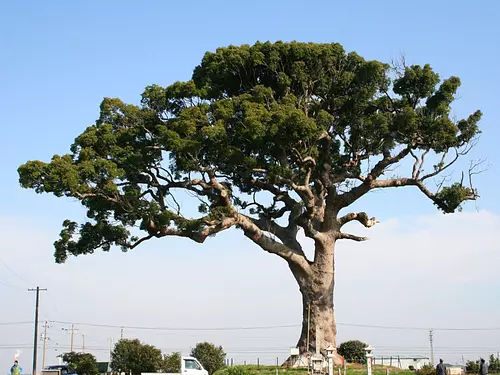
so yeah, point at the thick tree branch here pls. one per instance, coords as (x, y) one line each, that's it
(419, 163)
(305, 193)
(253, 232)
(346, 199)
(287, 235)
(211, 228)
(362, 217)
(441, 166)
(398, 182)
(304, 220)
(348, 236)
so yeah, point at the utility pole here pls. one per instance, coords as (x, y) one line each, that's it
(83, 344)
(72, 330)
(45, 338)
(121, 334)
(35, 336)
(431, 341)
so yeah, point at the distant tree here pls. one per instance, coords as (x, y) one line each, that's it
(278, 140)
(135, 357)
(82, 363)
(211, 356)
(171, 363)
(353, 351)
(494, 365)
(472, 366)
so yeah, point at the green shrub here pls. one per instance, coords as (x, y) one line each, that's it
(472, 366)
(427, 369)
(210, 356)
(233, 370)
(353, 351)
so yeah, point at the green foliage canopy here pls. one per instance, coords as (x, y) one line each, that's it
(296, 121)
(82, 363)
(210, 356)
(135, 357)
(171, 363)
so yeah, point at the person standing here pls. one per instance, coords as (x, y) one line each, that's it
(15, 369)
(483, 367)
(440, 368)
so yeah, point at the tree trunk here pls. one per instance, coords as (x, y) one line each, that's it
(318, 318)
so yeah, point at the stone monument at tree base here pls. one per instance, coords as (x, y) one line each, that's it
(274, 139)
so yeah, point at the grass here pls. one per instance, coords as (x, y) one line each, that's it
(352, 369)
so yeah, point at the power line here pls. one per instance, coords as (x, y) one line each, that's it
(269, 327)
(15, 273)
(13, 323)
(382, 327)
(53, 301)
(10, 285)
(179, 328)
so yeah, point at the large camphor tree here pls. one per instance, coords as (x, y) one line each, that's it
(273, 139)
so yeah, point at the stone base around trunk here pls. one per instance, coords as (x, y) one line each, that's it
(306, 360)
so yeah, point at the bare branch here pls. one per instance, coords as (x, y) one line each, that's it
(362, 217)
(280, 195)
(422, 159)
(474, 169)
(441, 166)
(198, 236)
(348, 236)
(369, 183)
(138, 242)
(92, 195)
(415, 165)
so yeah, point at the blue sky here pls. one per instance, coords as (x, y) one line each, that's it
(59, 59)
